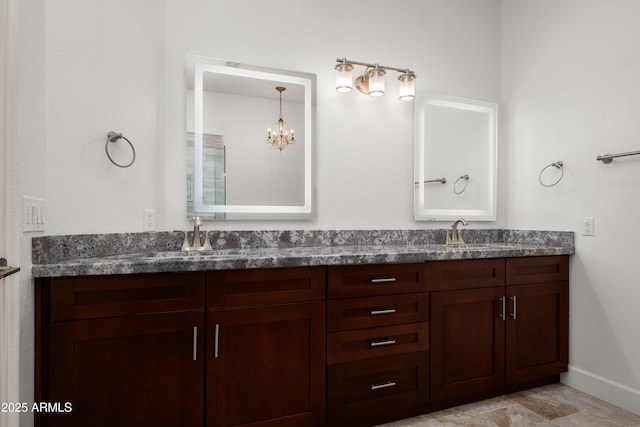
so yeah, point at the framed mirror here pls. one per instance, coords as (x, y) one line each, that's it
(455, 153)
(233, 170)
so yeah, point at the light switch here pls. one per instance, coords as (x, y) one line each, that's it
(33, 218)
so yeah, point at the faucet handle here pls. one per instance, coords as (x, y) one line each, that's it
(185, 242)
(207, 242)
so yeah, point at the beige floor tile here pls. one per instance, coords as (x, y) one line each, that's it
(555, 405)
(544, 403)
(517, 416)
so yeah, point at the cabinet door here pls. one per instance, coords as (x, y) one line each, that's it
(537, 331)
(133, 371)
(467, 342)
(266, 366)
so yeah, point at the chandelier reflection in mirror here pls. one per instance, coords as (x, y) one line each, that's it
(371, 82)
(280, 137)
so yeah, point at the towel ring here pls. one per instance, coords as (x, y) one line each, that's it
(455, 185)
(557, 165)
(113, 137)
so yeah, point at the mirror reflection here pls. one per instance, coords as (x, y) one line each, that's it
(455, 158)
(242, 159)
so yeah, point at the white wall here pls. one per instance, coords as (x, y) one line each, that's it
(571, 91)
(104, 72)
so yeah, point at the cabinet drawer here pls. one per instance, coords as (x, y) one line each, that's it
(349, 346)
(369, 312)
(377, 279)
(466, 274)
(537, 269)
(107, 296)
(376, 386)
(265, 286)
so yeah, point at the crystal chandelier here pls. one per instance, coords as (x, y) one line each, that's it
(280, 137)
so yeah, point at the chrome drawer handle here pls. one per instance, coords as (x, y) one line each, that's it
(515, 308)
(503, 300)
(385, 384)
(383, 280)
(216, 341)
(380, 343)
(195, 343)
(383, 311)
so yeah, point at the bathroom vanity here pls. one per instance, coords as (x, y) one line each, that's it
(297, 336)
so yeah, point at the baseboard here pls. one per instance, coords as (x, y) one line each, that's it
(602, 388)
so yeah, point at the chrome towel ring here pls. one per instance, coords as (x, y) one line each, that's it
(465, 181)
(557, 165)
(113, 137)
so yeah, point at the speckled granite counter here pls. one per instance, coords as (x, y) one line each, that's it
(80, 255)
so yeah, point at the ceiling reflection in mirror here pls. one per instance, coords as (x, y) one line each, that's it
(455, 158)
(233, 172)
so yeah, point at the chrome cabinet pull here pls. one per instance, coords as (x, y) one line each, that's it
(382, 342)
(385, 384)
(383, 280)
(376, 312)
(195, 343)
(515, 308)
(503, 315)
(216, 338)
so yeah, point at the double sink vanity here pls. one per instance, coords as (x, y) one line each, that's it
(294, 328)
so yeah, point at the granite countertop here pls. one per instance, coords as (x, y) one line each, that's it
(58, 256)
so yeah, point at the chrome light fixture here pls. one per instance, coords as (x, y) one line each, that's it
(371, 82)
(280, 137)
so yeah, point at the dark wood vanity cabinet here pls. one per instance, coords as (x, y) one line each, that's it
(467, 332)
(354, 345)
(377, 343)
(121, 350)
(537, 299)
(266, 356)
(497, 323)
(152, 350)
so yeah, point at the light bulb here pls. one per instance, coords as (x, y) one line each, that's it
(407, 90)
(376, 82)
(343, 77)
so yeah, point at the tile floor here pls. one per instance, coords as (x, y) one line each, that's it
(554, 405)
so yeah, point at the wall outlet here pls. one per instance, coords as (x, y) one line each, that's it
(149, 220)
(33, 214)
(588, 225)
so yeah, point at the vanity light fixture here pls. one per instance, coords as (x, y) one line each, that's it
(371, 82)
(280, 137)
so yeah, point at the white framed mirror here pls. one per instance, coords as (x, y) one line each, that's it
(233, 172)
(455, 154)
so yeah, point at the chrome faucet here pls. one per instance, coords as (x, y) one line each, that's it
(455, 237)
(196, 244)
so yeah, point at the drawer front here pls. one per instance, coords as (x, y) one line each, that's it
(376, 279)
(349, 346)
(370, 312)
(226, 288)
(537, 269)
(367, 388)
(107, 296)
(466, 274)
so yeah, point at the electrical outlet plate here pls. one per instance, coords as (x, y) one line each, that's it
(33, 214)
(148, 222)
(588, 225)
